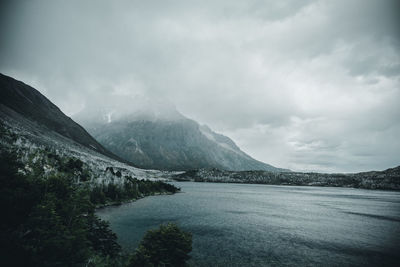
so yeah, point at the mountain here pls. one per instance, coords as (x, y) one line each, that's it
(153, 135)
(160, 137)
(40, 131)
(26, 105)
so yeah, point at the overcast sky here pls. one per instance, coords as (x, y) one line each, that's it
(305, 85)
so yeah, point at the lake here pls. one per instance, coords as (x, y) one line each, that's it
(264, 225)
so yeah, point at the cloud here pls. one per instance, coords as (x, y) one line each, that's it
(307, 85)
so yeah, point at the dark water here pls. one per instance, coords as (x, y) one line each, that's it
(261, 225)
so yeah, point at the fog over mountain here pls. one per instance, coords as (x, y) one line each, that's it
(304, 85)
(154, 135)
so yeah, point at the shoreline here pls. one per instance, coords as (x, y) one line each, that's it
(115, 204)
(302, 185)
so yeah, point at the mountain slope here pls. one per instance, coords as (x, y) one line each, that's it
(22, 102)
(171, 142)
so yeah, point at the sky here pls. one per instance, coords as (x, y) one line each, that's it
(301, 84)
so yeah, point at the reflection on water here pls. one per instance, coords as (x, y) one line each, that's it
(261, 225)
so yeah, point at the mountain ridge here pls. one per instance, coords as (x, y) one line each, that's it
(167, 142)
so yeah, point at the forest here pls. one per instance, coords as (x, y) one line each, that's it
(51, 221)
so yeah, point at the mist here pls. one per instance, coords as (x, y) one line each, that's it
(304, 85)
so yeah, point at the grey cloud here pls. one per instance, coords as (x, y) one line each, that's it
(270, 74)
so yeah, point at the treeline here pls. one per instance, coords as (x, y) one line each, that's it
(123, 188)
(130, 189)
(49, 220)
(387, 180)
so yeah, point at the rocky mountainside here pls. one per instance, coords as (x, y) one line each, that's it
(167, 140)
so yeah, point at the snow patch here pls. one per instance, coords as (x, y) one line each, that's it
(108, 116)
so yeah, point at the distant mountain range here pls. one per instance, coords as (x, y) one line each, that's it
(162, 138)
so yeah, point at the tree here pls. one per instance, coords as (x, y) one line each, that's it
(166, 246)
(48, 221)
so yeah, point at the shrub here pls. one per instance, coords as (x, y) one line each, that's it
(166, 246)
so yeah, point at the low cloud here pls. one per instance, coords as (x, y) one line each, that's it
(306, 85)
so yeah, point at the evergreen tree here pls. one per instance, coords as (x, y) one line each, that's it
(166, 246)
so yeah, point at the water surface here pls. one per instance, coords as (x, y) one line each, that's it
(263, 225)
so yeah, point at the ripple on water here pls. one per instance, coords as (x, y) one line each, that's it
(260, 225)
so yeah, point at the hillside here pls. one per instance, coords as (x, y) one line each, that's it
(24, 104)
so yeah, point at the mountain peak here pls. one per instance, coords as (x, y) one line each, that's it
(127, 108)
(155, 135)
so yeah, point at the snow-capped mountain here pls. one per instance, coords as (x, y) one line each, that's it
(156, 135)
